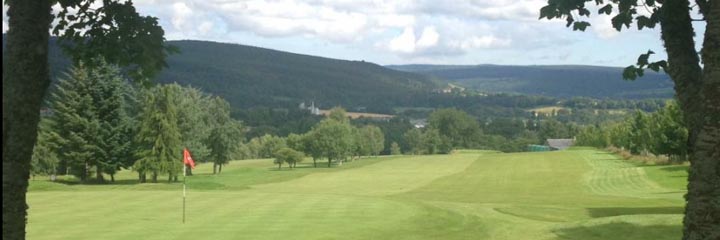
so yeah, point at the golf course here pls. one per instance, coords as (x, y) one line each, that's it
(581, 193)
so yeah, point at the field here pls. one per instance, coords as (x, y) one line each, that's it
(546, 110)
(573, 194)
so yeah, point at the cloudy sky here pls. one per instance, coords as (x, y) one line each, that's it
(403, 31)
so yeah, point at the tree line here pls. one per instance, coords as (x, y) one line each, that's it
(661, 133)
(101, 123)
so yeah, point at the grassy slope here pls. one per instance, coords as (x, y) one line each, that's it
(579, 194)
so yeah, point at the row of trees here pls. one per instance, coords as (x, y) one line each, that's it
(661, 133)
(100, 123)
(334, 138)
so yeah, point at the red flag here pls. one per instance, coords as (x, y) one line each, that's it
(187, 159)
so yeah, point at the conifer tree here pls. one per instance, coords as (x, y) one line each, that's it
(159, 136)
(90, 124)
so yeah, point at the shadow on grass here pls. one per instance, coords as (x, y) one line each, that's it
(620, 231)
(609, 212)
(679, 168)
(116, 182)
(95, 182)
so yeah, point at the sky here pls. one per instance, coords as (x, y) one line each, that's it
(404, 31)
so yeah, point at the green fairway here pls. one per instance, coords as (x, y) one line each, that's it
(573, 194)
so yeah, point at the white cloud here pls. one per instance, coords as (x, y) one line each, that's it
(429, 43)
(602, 26)
(405, 43)
(482, 42)
(181, 12)
(403, 29)
(428, 38)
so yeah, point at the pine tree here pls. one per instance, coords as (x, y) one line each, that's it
(159, 136)
(90, 124)
(113, 148)
(194, 122)
(44, 159)
(74, 124)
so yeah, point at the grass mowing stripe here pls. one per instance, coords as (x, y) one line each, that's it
(467, 195)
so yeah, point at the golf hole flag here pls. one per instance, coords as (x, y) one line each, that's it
(187, 159)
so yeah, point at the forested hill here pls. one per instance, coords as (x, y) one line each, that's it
(555, 81)
(256, 77)
(250, 76)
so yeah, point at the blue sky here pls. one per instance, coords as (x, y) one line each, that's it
(404, 31)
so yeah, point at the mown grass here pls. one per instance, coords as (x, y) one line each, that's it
(576, 194)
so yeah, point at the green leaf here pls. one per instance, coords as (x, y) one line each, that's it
(630, 73)
(607, 9)
(584, 12)
(644, 21)
(580, 26)
(548, 12)
(643, 58)
(621, 19)
(569, 20)
(656, 66)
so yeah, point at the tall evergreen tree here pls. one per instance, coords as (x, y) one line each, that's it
(159, 136)
(115, 126)
(44, 159)
(91, 126)
(194, 120)
(74, 123)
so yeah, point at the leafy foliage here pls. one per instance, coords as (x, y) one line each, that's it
(455, 126)
(224, 135)
(114, 31)
(331, 139)
(289, 156)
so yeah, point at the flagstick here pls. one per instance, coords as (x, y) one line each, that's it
(184, 176)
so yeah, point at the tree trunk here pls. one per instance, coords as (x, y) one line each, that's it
(698, 93)
(188, 171)
(25, 81)
(98, 174)
(214, 168)
(314, 162)
(329, 161)
(112, 178)
(702, 212)
(220, 168)
(154, 177)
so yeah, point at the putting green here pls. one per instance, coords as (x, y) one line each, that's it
(573, 194)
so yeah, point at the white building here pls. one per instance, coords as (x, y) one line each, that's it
(314, 110)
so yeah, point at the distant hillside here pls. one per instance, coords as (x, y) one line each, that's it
(555, 81)
(251, 76)
(257, 77)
